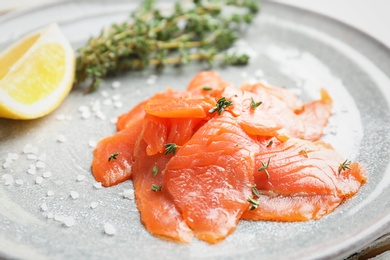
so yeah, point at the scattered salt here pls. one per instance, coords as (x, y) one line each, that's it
(32, 170)
(97, 185)
(83, 108)
(50, 193)
(8, 179)
(104, 93)
(40, 165)
(86, 114)
(6, 165)
(19, 182)
(151, 80)
(114, 120)
(47, 174)
(74, 194)
(32, 157)
(116, 97)
(44, 207)
(50, 215)
(118, 104)
(107, 102)
(93, 205)
(96, 105)
(92, 143)
(128, 194)
(109, 229)
(69, 221)
(244, 74)
(13, 156)
(80, 177)
(28, 148)
(100, 115)
(115, 84)
(259, 73)
(59, 218)
(61, 138)
(38, 180)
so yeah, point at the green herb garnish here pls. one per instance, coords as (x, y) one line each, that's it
(254, 104)
(254, 203)
(255, 191)
(154, 171)
(171, 148)
(198, 31)
(113, 156)
(344, 166)
(222, 103)
(156, 188)
(304, 152)
(270, 143)
(264, 167)
(206, 88)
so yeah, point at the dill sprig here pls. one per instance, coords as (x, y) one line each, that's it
(201, 31)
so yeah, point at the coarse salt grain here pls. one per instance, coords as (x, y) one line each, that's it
(61, 138)
(8, 179)
(116, 97)
(86, 114)
(27, 148)
(93, 205)
(32, 170)
(109, 229)
(32, 157)
(107, 102)
(96, 105)
(99, 114)
(69, 221)
(44, 206)
(97, 185)
(118, 104)
(74, 194)
(128, 194)
(83, 108)
(47, 174)
(50, 215)
(114, 120)
(19, 182)
(40, 165)
(80, 177)
(58, 218)
(38, 180)
(13, 156)
(6, 165)
(115, 84)
(104, 93)
(50, 193)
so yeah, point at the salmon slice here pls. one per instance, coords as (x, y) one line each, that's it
(211, 176)
(206, 83)
(158, 212)
(113, 156)
(128, 119)
(307, 175)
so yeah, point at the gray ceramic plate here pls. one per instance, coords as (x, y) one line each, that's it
(290, 47)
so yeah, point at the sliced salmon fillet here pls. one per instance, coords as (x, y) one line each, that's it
(159, 214)
(110, 171)
(206, 83)
(305, 177)
(210, 177)
(128, 119)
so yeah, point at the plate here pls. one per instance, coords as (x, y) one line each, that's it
(289, 47)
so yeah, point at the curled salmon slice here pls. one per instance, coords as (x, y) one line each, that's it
(158, 212)
(307, 178)
(206, 83)
(114, 156)
(211, 176)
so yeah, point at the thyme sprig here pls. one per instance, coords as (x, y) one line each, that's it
(201, 31)
(264, 167)
(222, 103)
(344, 166)
(255, 104)
(254, 203)
(171, 148)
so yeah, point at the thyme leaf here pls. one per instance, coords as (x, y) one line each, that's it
(264, 167)
(222, 103)
(154, 171)
(254, 104)
(254, 203)
(344, 166)
(171, 148)
(113, 156)
(156, 188)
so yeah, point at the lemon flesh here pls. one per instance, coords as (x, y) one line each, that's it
(36, 74)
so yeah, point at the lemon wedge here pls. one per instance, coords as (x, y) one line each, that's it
(36, 74)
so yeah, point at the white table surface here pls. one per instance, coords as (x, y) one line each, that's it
(370, 16)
